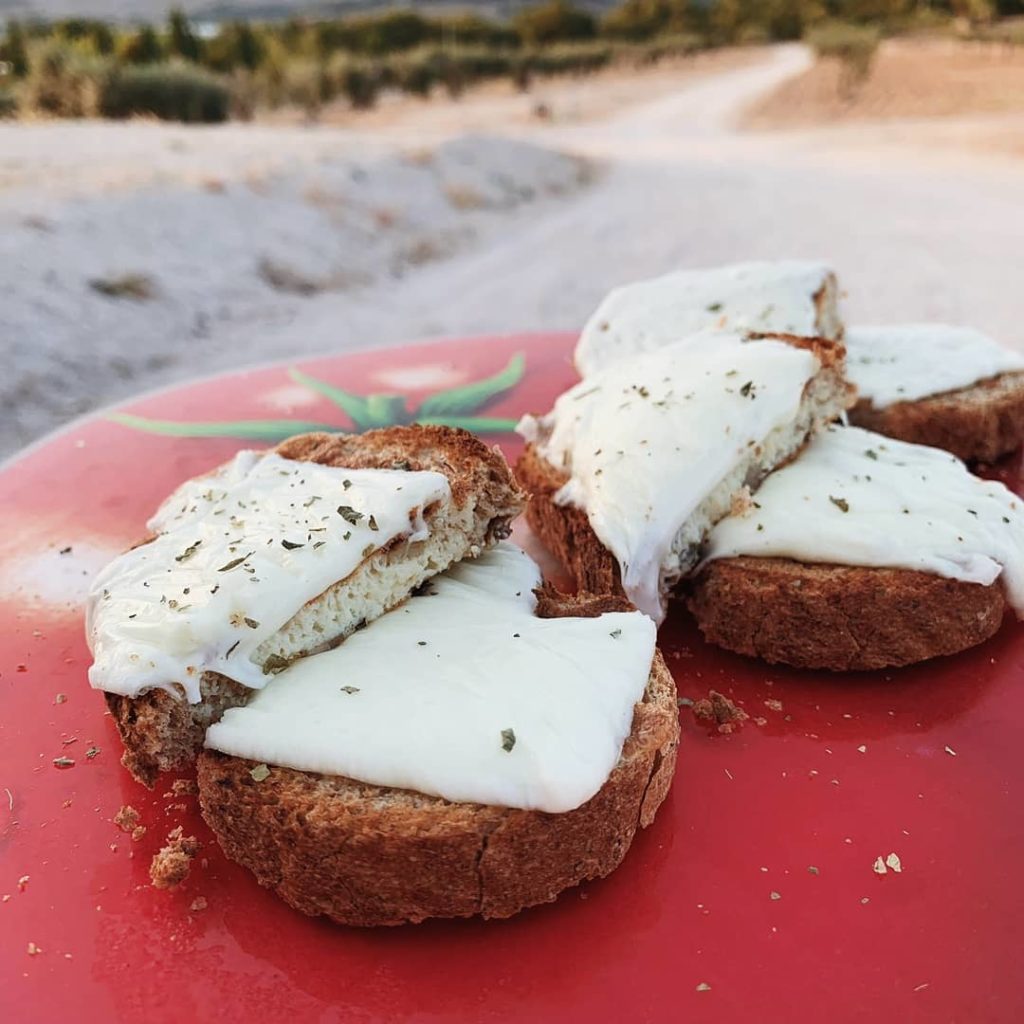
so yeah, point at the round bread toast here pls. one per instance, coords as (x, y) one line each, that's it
(980, 423)
(162, 732)
(369, 855)
(834, 617)
(839, 617)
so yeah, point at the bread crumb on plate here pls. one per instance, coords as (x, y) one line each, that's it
(718, 708)
(127, 818)
(171, 864)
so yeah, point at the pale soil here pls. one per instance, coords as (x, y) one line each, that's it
(909, 79)
(482, 236)
(229, 233)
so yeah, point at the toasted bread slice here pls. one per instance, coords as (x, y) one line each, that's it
(163, 732)
(794, 297)
(568, 533)
(980, 423)
(839, 617)
(369, 855)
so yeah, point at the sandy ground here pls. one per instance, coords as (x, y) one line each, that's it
(908, 79)
(918, 225)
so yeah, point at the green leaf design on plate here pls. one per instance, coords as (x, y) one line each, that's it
(385, 411)
(471, 397)
(451, 408)
(356, 406)
(249, 430)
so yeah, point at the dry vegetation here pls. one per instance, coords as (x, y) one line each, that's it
(907, 79)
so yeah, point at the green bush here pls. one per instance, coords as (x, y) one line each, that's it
(637, 20)
(63, 82)
(294, 35)
(374, 34)
(484, 63)
(454, 68)
(922, 21)
(14, 50)
(788, 19)
(725, 21)
(854, 46)
(247, 94)
(181, 40)
(8, 103)
(864, 12)
(270, 83)
(576, 59)
(171, 92)
(753, 35)
(416, 73)
(681, 45)
(554, 22)
(306, 83)
(472, 30)
(360, 82)
(141, 47)
(92, 36)
(236, 45)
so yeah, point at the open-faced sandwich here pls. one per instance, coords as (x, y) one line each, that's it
(475, 751)
(635, 464)
(387, 741)
(274, 556)
(863, 553)
(781, 297)
(950, 387)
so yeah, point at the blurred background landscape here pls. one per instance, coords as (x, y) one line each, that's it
(193, 190)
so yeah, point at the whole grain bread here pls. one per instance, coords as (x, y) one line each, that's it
(568, 533)
(161, 731)
(980, 423)
(795, 613)
(369, 855)
(565, 530)
(839, 617)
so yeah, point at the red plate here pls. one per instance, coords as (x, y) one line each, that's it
(751, 898)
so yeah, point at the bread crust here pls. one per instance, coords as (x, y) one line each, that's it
(834, 617)
(980, 423)
(161, 731)
(370, 855)
(839, 617)
(565, 530)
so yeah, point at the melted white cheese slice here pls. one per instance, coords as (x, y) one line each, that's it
(768, 297)
(461, 693)
(911, 361)
(856, 498)
(645, 443)
(235, 556)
